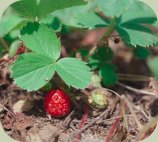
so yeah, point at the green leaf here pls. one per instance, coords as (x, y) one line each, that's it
(139, 12)
(41, 39)
(104, 54)
(26, 8)
(69, 15)
(93, 63)
(153, 65)
(100, 58)
(91, 20)
(32, 71)
(8, 22)
(74, 72)
(137, 35)
(4, 4)
(47, 6)
(156, 24)
(113, 8)
(14, 48)
(108, 74)
(141, 52)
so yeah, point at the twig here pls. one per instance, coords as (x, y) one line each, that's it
(9, 111)
(113, 128)
(84, 119)
(125, 101)
(3, 63)
(125, 119)
(101, 122)
(120, 116)
(105, 113)
(90, 52)
(132, 77)
(20, 50)
(140, 126)
(114, 105)
(136, 90)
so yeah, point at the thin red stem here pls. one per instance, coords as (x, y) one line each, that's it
(84, 119)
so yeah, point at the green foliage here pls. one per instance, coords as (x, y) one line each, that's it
(74, 72)
(68, 16)
(92, 21)
(153, 64)
(102, 60)
(14, 48)
(156, 24)
(31, 9)
(108, 74)
(138, 12)
(102, 56)
(137, 35)
(40, 39)
(129, 26)
(32, 71)
(47, 6)
(9, 21)
(129, 14)
(26, 8)
(113, 8)
(141, 52)
(71, 16)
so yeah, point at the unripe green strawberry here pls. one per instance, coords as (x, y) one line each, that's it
(98, 99)
(57, 103)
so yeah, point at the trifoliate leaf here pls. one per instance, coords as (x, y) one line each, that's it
(74, 72)
(48, 6)
(41, 39)
(137, 35)
(32, 71)
(108, 74)
(113, 8)
(92, 21)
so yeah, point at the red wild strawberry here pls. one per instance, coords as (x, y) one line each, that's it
(57, 103)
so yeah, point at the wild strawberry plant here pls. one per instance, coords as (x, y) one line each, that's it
(39, 20)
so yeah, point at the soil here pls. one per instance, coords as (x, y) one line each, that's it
(127, 114)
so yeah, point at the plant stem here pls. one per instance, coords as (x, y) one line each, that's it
(104, 39)
(139, 91)
(133, 77)
(109, 30)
